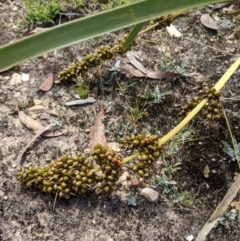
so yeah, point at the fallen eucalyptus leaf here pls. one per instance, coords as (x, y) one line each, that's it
(97, 135)
(135, 62)
(80, 102)
(150, 74)
(208, 22)
(48, 83)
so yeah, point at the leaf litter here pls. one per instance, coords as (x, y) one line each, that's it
(141, 71)
(48, 83)
(97, 135)
(39, 130)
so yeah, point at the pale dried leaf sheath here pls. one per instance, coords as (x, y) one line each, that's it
(97, 135)
(29, 122)
(135, 62)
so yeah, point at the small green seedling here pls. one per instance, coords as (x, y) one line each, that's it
(123, 87)
(164, 182)
(82, 90)
(156, 96)
(180, 138)
(166, 65)
(170, 168)
(230, 151)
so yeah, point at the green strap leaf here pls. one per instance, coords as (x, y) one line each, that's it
(92, 26)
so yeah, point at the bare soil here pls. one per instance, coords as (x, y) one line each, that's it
(28, 214)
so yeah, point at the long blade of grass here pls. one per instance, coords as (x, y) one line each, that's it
(92, 26)
(137, 28)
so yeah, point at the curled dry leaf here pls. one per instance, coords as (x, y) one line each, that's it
(97, 135)
(29, 122)
(208, 22)
(48, 83)
(135, 62)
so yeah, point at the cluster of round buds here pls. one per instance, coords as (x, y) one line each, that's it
(104, 52)
(110, 163)
(212, 109)
(66, 176)
(147, 145)
(71, 73)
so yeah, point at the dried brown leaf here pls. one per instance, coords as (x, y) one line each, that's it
(31, 141)
(97, 135)
(150, 74)
(48, 83)
(135, 62)
(208, 22)
(161, 74)
(29, 122)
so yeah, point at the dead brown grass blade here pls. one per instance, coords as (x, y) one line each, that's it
(221, 208)
(150, 74)
(135, 62)
(97, 135)
(39, 133)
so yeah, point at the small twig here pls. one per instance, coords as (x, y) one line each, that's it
(221, 208)
(55, 199)
(208, 46)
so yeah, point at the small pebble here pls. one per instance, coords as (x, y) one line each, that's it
(190, 238)
(150, 194)
(16, 79)
(25, 77)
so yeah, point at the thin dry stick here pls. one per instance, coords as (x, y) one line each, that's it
(55, 199)
(221, 208)
(219, 50)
